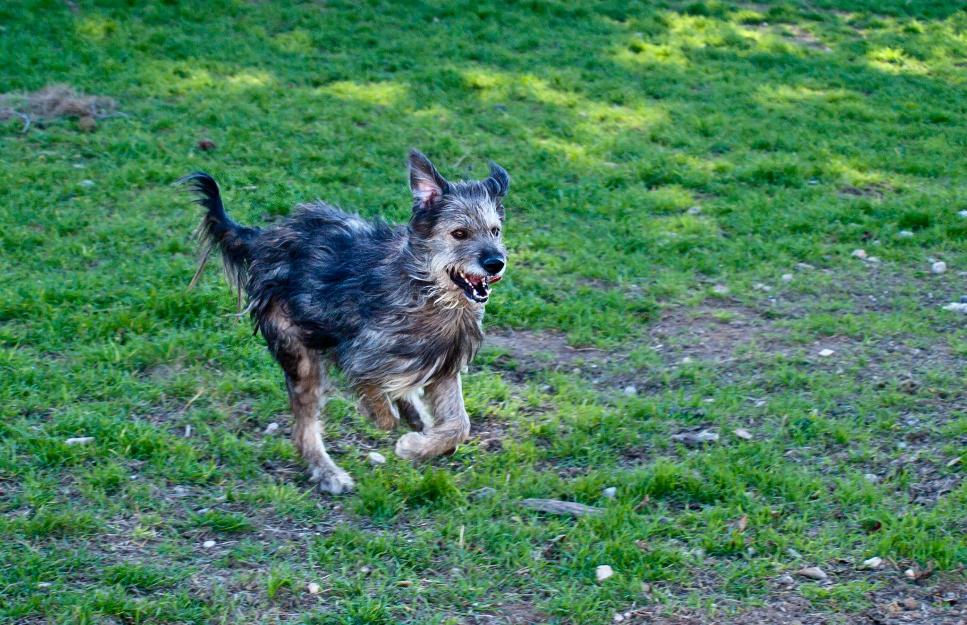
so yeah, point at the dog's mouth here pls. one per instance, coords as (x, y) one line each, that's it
(475, 287)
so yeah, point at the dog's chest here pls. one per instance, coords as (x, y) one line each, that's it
(408, 352)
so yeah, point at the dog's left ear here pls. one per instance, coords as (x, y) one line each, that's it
(425, 181)
(498, 182)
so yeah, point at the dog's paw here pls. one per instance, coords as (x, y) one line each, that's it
(411, 446)
(332, 480)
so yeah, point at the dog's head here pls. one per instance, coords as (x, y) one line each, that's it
(460, 227)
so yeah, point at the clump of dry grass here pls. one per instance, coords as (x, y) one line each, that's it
(54, 101)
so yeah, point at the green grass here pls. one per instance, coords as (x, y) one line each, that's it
(659, 152)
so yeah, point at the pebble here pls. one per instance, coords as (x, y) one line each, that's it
(376, 458)
(910, 603)
(697, 210)
(962, 213)
(860, 253)
(313, 588)
(631, 390)
(87, 183)
(812, 572)
(960, 307)
(787, 277)
(786, 580)
(603, 572)
(873, 260)
(743, 433)
(610, 492)
(804, 266)
(80, 440)
(872, 563)
(939, 267)
(208, 544)
(905, 234)
(720, 289)
(872, 478)
(825, 353)
(271, 428)
(43, 585)
(483, 493)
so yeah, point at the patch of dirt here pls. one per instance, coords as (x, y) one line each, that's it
(898, 602)
(509, 614)
(709, 333)
(535, 350)
(54, 101)
(877, 191)
(806, 38)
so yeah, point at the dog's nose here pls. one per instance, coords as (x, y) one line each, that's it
(493, 264)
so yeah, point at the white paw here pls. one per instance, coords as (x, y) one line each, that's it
(331, 480)
(410, 446)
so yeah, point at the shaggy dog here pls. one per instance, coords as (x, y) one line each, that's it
(397, 308)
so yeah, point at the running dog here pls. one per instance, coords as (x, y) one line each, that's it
(397, 308)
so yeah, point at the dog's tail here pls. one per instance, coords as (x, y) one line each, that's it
(218, 230)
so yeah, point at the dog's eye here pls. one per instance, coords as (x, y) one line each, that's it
(459, 233)
(495, 231)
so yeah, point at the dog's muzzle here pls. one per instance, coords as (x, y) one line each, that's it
(475, 287)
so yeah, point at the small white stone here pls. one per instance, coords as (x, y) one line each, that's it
(313, 588)
(905, 234)
(695, 210)
(960, 307)
(603, 572)
(44, 585)
(758, 286)
(826, 353)
(686, 360)
(859, 253)
(804, 266)
(872, 478)
(786, 580)
(872, 563)
(743, 433)
(617, 618)
(376, 458)
(208, 544)
(873, 260)
(87, 183)
(962, 213)
(787, 277)
(939, 267)
(80, 440)
(812, 572)
(720, 289)
(610, 492)
(271, 428)
(631, 390)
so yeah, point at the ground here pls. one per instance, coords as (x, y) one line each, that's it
(690, 181)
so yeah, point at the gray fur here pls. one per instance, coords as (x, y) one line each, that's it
(398, 309)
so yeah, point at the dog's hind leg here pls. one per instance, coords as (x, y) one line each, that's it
(377, 406)
(414, 411)
(450, 428)
(308, 386)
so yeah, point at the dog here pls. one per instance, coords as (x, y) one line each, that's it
(397, 308)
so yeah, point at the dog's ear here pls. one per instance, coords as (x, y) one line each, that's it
(498, 182)
(425, 181)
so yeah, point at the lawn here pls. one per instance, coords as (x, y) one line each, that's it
(692, 186)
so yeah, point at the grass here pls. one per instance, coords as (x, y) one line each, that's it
(671, 162)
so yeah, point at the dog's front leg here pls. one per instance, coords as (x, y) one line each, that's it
(451, 424)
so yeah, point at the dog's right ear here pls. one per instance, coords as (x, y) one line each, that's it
(425, 181)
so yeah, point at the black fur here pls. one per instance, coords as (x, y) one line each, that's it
(362, 292)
